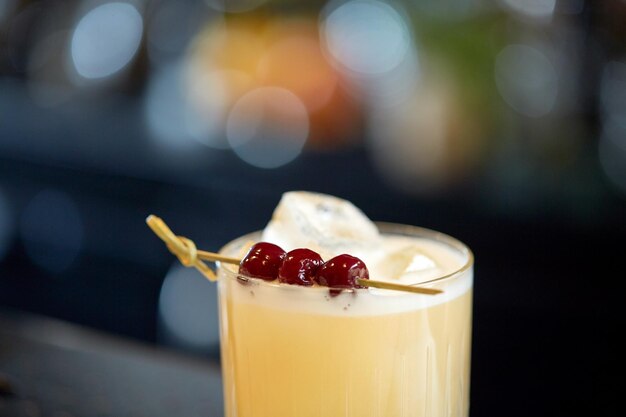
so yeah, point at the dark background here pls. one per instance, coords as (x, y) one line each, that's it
(532, 175)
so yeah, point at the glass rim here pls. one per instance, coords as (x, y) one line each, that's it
(384, 228)
(443, 238)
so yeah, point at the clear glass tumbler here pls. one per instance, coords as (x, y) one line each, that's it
(291, 351)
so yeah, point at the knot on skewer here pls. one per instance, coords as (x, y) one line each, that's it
(187, 257)
(183, 248)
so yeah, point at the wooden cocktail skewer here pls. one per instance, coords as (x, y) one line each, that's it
(187, 253)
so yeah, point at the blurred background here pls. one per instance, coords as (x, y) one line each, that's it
(500, 122)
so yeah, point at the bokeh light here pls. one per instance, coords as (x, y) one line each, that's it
(188, 310)
(268, 127)
(52, 230)
(527, 80)
(370, 42)
(396, 87)
(220, 69)
(210, 94)
(234, 45)
(296, 63)
(428, 142)
(170, 115)
(367, 37)
(244, 54)
(106, 39)
(293, 59)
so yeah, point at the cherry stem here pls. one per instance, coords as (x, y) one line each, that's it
(185, 250)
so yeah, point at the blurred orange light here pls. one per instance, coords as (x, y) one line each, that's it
(297, 64)
(250, 53)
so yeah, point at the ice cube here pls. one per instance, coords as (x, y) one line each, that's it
(326, 224)
(403, 260)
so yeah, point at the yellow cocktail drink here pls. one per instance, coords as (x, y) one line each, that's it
(291, 351)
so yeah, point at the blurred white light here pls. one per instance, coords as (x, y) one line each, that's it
(526, 80)
(613, 93)
(612, 154)
(411, 143)
(170, 116)
(188, 309)
(535, 9)
(6, 225)
(268, 127)
(52, 230)
(106, 39)
(234, 6)
(368, 37)
(396, 87)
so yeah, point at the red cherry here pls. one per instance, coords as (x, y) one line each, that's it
(299, 267)
(342, 272)
(262, 261)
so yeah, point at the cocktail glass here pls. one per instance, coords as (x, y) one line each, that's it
(291, 351)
